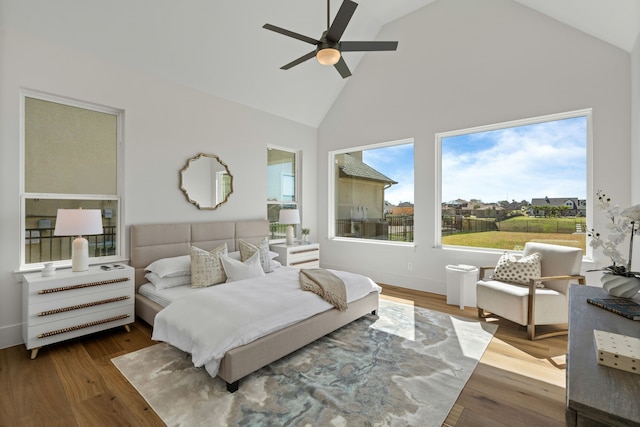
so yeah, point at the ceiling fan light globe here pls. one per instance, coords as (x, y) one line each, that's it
(328, 56)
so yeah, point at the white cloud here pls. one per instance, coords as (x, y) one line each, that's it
(535, 161)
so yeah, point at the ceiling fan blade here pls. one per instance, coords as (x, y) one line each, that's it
(299, 60)
(367, 46)
(341, 20)
(290, 34)
(342, 68)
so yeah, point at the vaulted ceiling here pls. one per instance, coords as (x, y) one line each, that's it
(219, 47)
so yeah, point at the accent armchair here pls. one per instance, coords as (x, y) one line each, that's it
(544, 300)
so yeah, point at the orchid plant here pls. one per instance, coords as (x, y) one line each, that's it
(622, 222)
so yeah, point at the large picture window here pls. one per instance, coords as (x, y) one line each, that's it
(504, 185)
(71, 160)
(373, 192)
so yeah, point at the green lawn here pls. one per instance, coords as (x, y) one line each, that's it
(542, 225)
(513, 240)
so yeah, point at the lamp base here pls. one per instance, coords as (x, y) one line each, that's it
(80, 254)
(290, 237)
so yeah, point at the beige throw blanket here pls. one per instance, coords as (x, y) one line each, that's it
(326, 284)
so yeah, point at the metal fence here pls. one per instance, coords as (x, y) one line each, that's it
(459, 224)
(42, 246)
(393, 227)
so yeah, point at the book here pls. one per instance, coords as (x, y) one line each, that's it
(623, 306)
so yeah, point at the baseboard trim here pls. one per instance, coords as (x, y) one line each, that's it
(11, 335)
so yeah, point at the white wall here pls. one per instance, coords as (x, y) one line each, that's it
(460, 64)
(165, 125)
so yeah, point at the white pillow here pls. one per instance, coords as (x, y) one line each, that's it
(519, 271)
(248, 249)
(171, 267)
(206, 267)
(167, 282)
(238, 270)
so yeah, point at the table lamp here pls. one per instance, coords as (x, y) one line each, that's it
(289, 216)
(78, 222)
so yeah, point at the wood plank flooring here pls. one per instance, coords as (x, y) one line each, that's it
(517, 382)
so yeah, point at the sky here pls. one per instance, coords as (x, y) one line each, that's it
(396, 162)
(521, 163)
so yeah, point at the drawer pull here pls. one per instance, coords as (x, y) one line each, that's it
(302, 251)
(85, 325)
(79, 306)
(306, 261)
(83, 285)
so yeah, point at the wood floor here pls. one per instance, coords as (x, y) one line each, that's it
(516, 383)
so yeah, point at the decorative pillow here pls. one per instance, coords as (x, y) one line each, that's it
(171, 267)
(238, 270)
(167, 282)
(206, 267)
(248, 249)
(509, 269)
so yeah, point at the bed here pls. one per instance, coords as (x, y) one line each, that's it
(150, 242)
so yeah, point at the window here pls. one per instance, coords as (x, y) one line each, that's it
(71, 160)
(282, 187)
(373, 192)
(504, 185)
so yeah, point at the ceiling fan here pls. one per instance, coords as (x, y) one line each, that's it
(329, 48)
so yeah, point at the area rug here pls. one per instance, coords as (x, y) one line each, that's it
(405, 366)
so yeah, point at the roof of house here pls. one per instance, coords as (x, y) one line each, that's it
(356, 169)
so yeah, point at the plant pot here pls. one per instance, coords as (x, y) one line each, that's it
(620, 286)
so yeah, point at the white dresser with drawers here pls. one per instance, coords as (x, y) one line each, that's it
(72, 304)
(298, 256)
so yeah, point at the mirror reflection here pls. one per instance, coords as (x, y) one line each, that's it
(206, 181)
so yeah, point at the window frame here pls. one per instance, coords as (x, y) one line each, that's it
(297, 182)
(118, 198)
(331, 205)
(589, 211)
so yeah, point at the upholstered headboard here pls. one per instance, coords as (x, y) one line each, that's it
(150, 242)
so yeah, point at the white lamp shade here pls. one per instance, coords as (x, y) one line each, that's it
(76, 222)
(289, 216)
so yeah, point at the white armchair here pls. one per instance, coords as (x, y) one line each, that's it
(530, 305)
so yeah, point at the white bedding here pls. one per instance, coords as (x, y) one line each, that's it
(164, 297)
(219, 318)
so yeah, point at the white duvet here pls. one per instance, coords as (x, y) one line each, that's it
(209, 323)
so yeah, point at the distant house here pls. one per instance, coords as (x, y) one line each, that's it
(474, 208)
(404, 208)
(565, 206)
(360, 189)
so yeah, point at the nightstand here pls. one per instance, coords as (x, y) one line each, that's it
(72, 304)
(298, 256)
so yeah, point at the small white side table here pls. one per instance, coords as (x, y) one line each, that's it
(299, 255)
(461, 285)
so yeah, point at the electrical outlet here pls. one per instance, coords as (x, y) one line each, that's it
(409, 266)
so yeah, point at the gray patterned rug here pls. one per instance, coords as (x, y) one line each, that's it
(405, 367)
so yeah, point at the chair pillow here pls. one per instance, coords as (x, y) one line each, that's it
(206, 267)
(510, 269)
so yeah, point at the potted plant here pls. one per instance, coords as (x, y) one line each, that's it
(305, 235)
(618, 279)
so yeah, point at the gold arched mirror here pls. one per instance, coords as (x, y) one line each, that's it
(206, 181)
